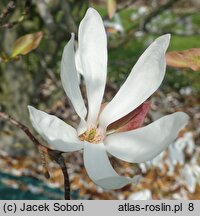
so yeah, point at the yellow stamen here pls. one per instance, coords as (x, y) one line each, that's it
(92, 135)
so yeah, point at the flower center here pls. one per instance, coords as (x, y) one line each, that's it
(93, 135)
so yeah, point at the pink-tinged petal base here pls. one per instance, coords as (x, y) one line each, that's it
(132, 120)
(145, 143)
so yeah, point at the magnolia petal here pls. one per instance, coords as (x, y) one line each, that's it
(145, 143)
(132, 120)
(138, 119)
(56, 132)
(93, 56)
(82, 127)
(144, 79)
(100, 169)
(70, 81)
(78, 63)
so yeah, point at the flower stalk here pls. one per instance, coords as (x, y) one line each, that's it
(44, 151)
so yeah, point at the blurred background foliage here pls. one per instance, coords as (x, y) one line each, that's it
(131, 26)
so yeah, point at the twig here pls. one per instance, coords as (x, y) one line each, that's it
(142, 25)
(24, 13)
(155, 13)
(54, 154)
(9, 9)
(127, 4)
(60, 160)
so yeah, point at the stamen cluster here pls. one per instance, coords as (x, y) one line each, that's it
(93, 135)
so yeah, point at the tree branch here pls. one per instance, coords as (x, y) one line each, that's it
(9, 9)
(54, 154)
(24, 13)
(125, 5)
(155, 13)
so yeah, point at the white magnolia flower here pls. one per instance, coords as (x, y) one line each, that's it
(97, 133)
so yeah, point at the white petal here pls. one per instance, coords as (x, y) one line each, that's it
(70, 82)
(144, 79)
(93, 56)
(56, 132)
(78, 62)
(100, 170)
(145, 143)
